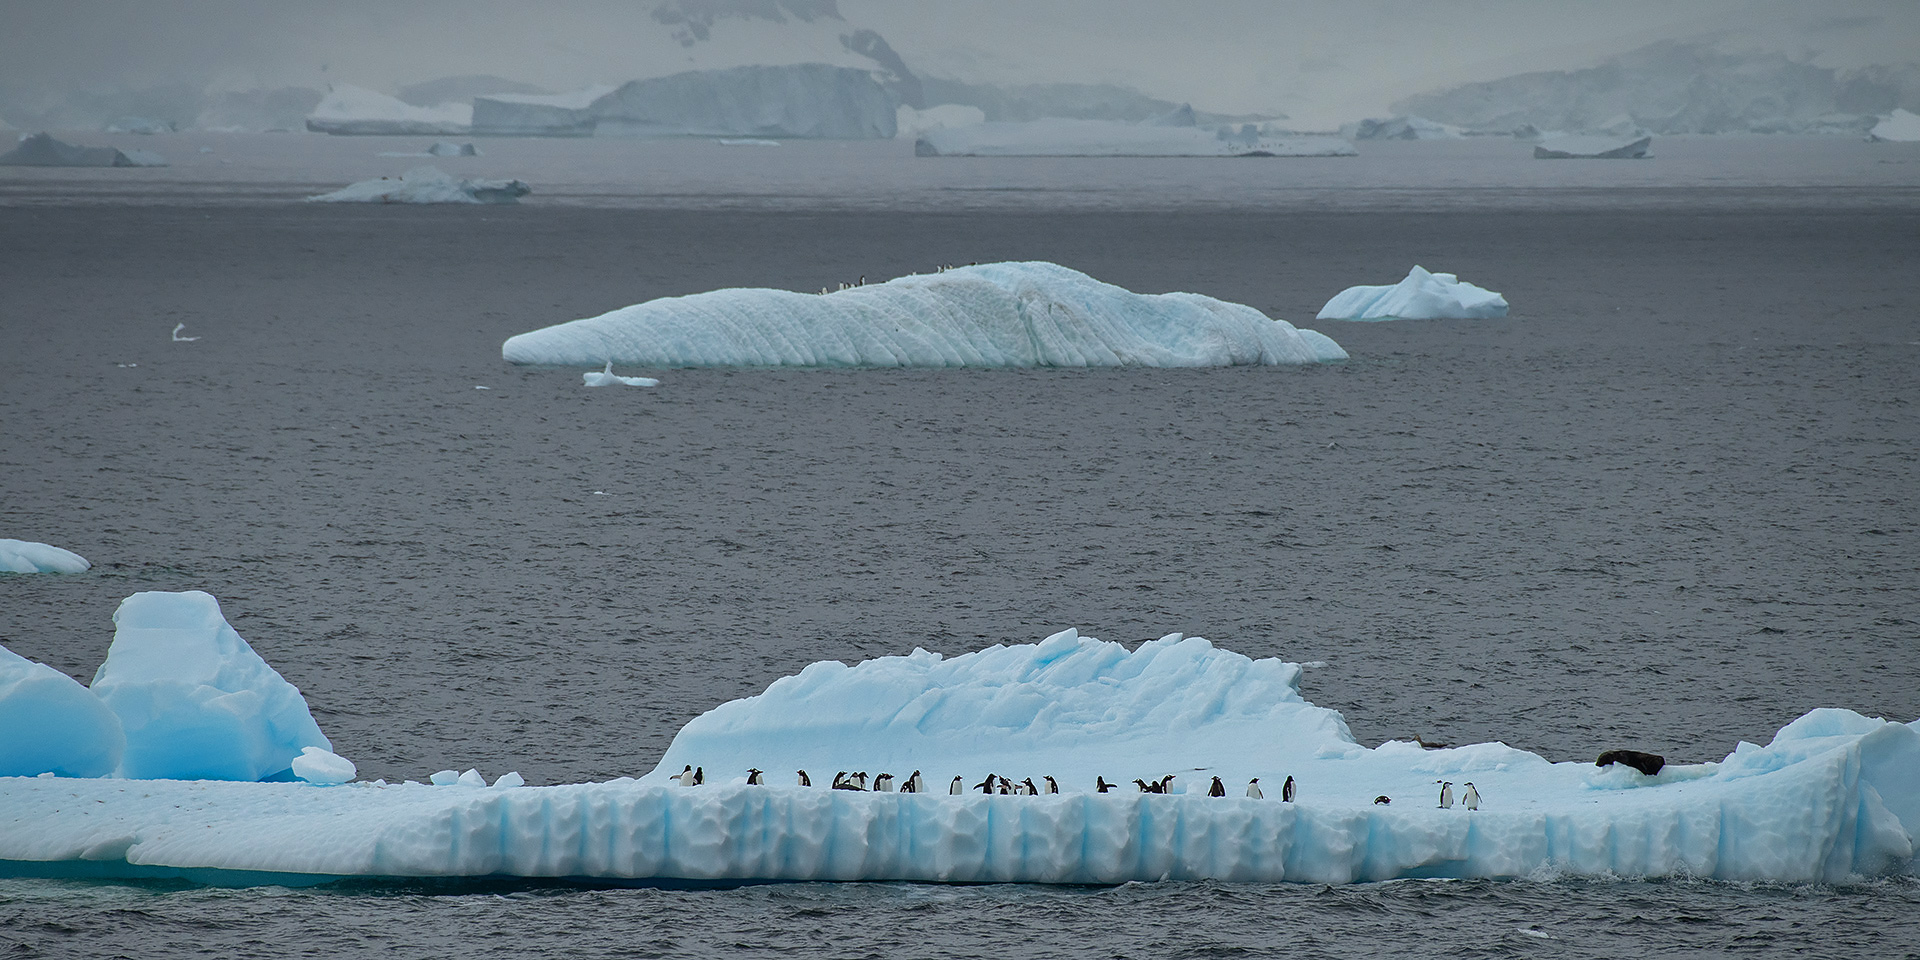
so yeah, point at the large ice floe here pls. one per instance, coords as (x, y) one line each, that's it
(1897, 127)
(42, 150)
(992, 315)
(427, 185)
(1105, 138)
(1834, 795)
(350, 110)
(1592, 147)
(1421, 296)
(26, 556)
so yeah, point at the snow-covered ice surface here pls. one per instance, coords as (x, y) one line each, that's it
(1900, 126)
(1421, 296)
(537, 115)
(1586, 147)
(49, 723)
(1104, 138)
(427, 185)
(1400, 128)
(1835, 795)
(994, 315)
(26, 556)
(195, 701)
(348, 109)
(808, 100)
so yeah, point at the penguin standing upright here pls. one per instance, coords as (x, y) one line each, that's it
(1253, 789)
(985, 786)
(859, 780)
(957, 787)
(1053, 786)
(1286, 791)
(805, 780)
(1100, 784)
(1166, 784)
(883, 783)
(685, 776)
(1446, 794)
(699, 775)
(1470, 799)
(840, 781)
(914, 784)
(1218, 789)
(753, 777)
(1027, 788)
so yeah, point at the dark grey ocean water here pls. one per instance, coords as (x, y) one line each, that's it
(1668, 504)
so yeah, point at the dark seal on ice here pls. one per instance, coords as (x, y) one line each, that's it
(1647, 763)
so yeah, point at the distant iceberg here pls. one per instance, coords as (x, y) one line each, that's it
(1899, 127)
(992, 315)
(26, 556)
(1834, 796)
(427, 185)
(537, 115)
(1105, 138)
(350, 110)
(1592, 148)
(807, 100)
(42, 150)
(911, 124)
(1421, 296)
(1400, 128)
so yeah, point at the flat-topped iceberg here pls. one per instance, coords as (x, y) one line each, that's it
(1835, 795)
(1105, 138)
(1421, 296)
(814, 100)
(427, 185)
(350, 110)
(26, 556)
(1592, 147)
(42, 150)
(992, 315)
(1900, 126)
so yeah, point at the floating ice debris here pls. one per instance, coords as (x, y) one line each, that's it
(1105, 138)
(992, 315)
(177, 338)
(440, 149)
(42, 150)
(607, 378)
(1835, 795)
(1592, 148)
(315, 765)
(1421, 296)
(354, 110)
(196, 701)
(478, 387)
(427, 185)
(26, 556)
(1899, 127)
(49, 723)
(749, 143)
(510, 779)
(1400, 128)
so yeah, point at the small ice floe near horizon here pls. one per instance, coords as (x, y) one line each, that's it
(1399, 128)
(607, 378)
(1588, 147)
(177, 338)
(26, 556)
(1033, 314)
(1899, 127)
(350, 110)
(443, 148)
(1106, 138)
(736, 142)
(42, 150)
(1833, 796)
(1421, 296)
(427, 185)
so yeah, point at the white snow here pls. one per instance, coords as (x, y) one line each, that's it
(611, 379)
(427, 185)
(1579, 147)
(348, 109)
(1421, 296)
(1835, 795)
(195, 700)
(49, 723)
(911, 124)
(26, 556)
(1105, 138)
(317, 765)
(992, 315)
(1899, 127)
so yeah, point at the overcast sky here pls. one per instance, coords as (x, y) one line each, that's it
(1316, 61)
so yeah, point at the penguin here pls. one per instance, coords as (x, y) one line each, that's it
(840, 781)
(1006, 786)
(1144, 786)
(883, 783)
(915, 784)
(859, 780)
(805, 780)
(685, 776)
(1286, 791)
(1382, 800)
(1218, 789)
(699, 775)
(1028, 789)
(1053, 786)
(1166, 784)
(1446, 794)
(957, 787)
(1470, 799)
(753, 777)
(1100, 785)
(985, 786)
(1253, 789)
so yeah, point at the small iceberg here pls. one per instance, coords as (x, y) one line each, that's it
(26, 556)
(1105, 138)
(42, 150)
(607, 378)
(1899, 127)
(350, 110)
(427, 185)
(1400, 128)
(1421, 296)
(443, 148)
(1592, 148)
(992, 315)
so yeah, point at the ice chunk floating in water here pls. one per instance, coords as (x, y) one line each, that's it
(26, 556)
(1834, 795)
(1421, 296)
(993, 315)
(195, 700)
(607, 378)
(427, 185)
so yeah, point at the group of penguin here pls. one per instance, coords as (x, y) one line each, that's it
(693, 776)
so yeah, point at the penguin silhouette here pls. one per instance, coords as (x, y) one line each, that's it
(753, 777)
(1100, 785)
(805, 780)
(957, 787)
(1446, 794)
(1286, 791)
(1218, 789)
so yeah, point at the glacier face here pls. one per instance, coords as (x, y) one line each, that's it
(1105, 138)
(1421, 296)
(992, 315)
(26, 556)
(1834, 795)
